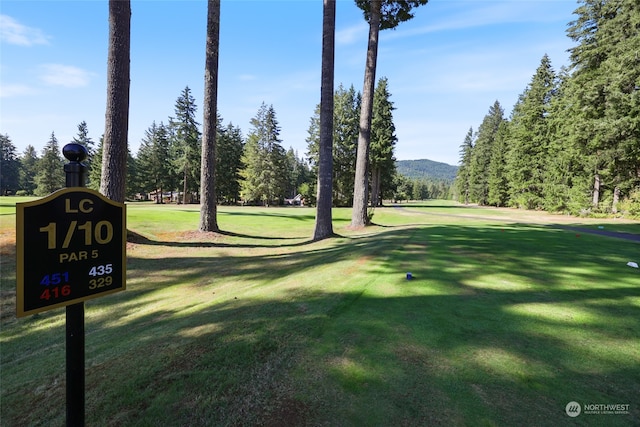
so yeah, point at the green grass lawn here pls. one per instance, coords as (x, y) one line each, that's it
(508, 318)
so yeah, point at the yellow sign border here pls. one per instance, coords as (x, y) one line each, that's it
(20, 249)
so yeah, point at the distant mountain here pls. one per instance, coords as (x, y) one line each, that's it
(426, 169)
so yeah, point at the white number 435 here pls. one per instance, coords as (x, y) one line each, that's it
(101, 270)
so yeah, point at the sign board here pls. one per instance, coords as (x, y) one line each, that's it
(71, 246)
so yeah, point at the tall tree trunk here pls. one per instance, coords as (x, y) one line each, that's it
(324, 226)
(208, 213)
(184, 184)
(114, 154)
(616, 199)
(596, 191)
(359, 217)
(375, 186)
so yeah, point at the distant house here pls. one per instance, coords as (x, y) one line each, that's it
(296, 201)
(167, 197)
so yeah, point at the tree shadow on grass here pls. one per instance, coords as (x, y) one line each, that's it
(502, 325)
(262, 213)
(137, 238)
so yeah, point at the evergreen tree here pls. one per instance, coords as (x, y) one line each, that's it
(481, 155)
(50, 176)
(403, 188)
(115, 143)
(299, 173)
(28, 170)
(313, 140)
(462, 182)
(420, 189)
(381, 15)
(230, 146)
(265, 175)
(605, 125)
(345, 140)
(346, 129)
(208, 207)
(323, 227)
(95, 173)
(563, 170)
(529, 139)
(313, 156)
(383, 141)
(154, 160)
(186, 148)
(83, 139)
(621, 121)
(498, 182)
(572, 142)
(9, 166)
(134, 181)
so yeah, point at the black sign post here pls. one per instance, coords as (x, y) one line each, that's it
(75, 172)
(70, 247)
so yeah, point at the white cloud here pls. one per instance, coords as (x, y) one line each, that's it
(471, 14)
(9, 91)
(352, 34)
(64, 75)
(13, 32)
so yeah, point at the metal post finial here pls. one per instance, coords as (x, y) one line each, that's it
(75, 170)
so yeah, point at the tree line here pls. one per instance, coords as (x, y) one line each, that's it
(252, 170)
(572, 142)
(116, 161)
(169, 161)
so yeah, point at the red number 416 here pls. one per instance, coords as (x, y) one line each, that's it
(56, 292)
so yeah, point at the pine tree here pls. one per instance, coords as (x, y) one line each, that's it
(621, 122)
(230, 146)
(564, 163)
(345, 140)
(299, 173)
(95, 173)
(208, 208)
(323, 227)
(481, 155)
(529, 139)
(345, 137)
(50, 176)
(154, 160)
(604, 97)
(134, 181)
(498, 182)
(115, 142)
(186, 148)
(383, 141)
(83, 139)
(265, 174)
(28, 170)
(313, 140)
(9, 166)
(462, 183)
(381, 15)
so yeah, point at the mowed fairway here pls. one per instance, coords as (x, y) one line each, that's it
(508, 318)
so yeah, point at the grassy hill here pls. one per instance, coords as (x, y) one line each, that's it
(426, 169)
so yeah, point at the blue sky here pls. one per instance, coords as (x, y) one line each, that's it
(445, 68)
